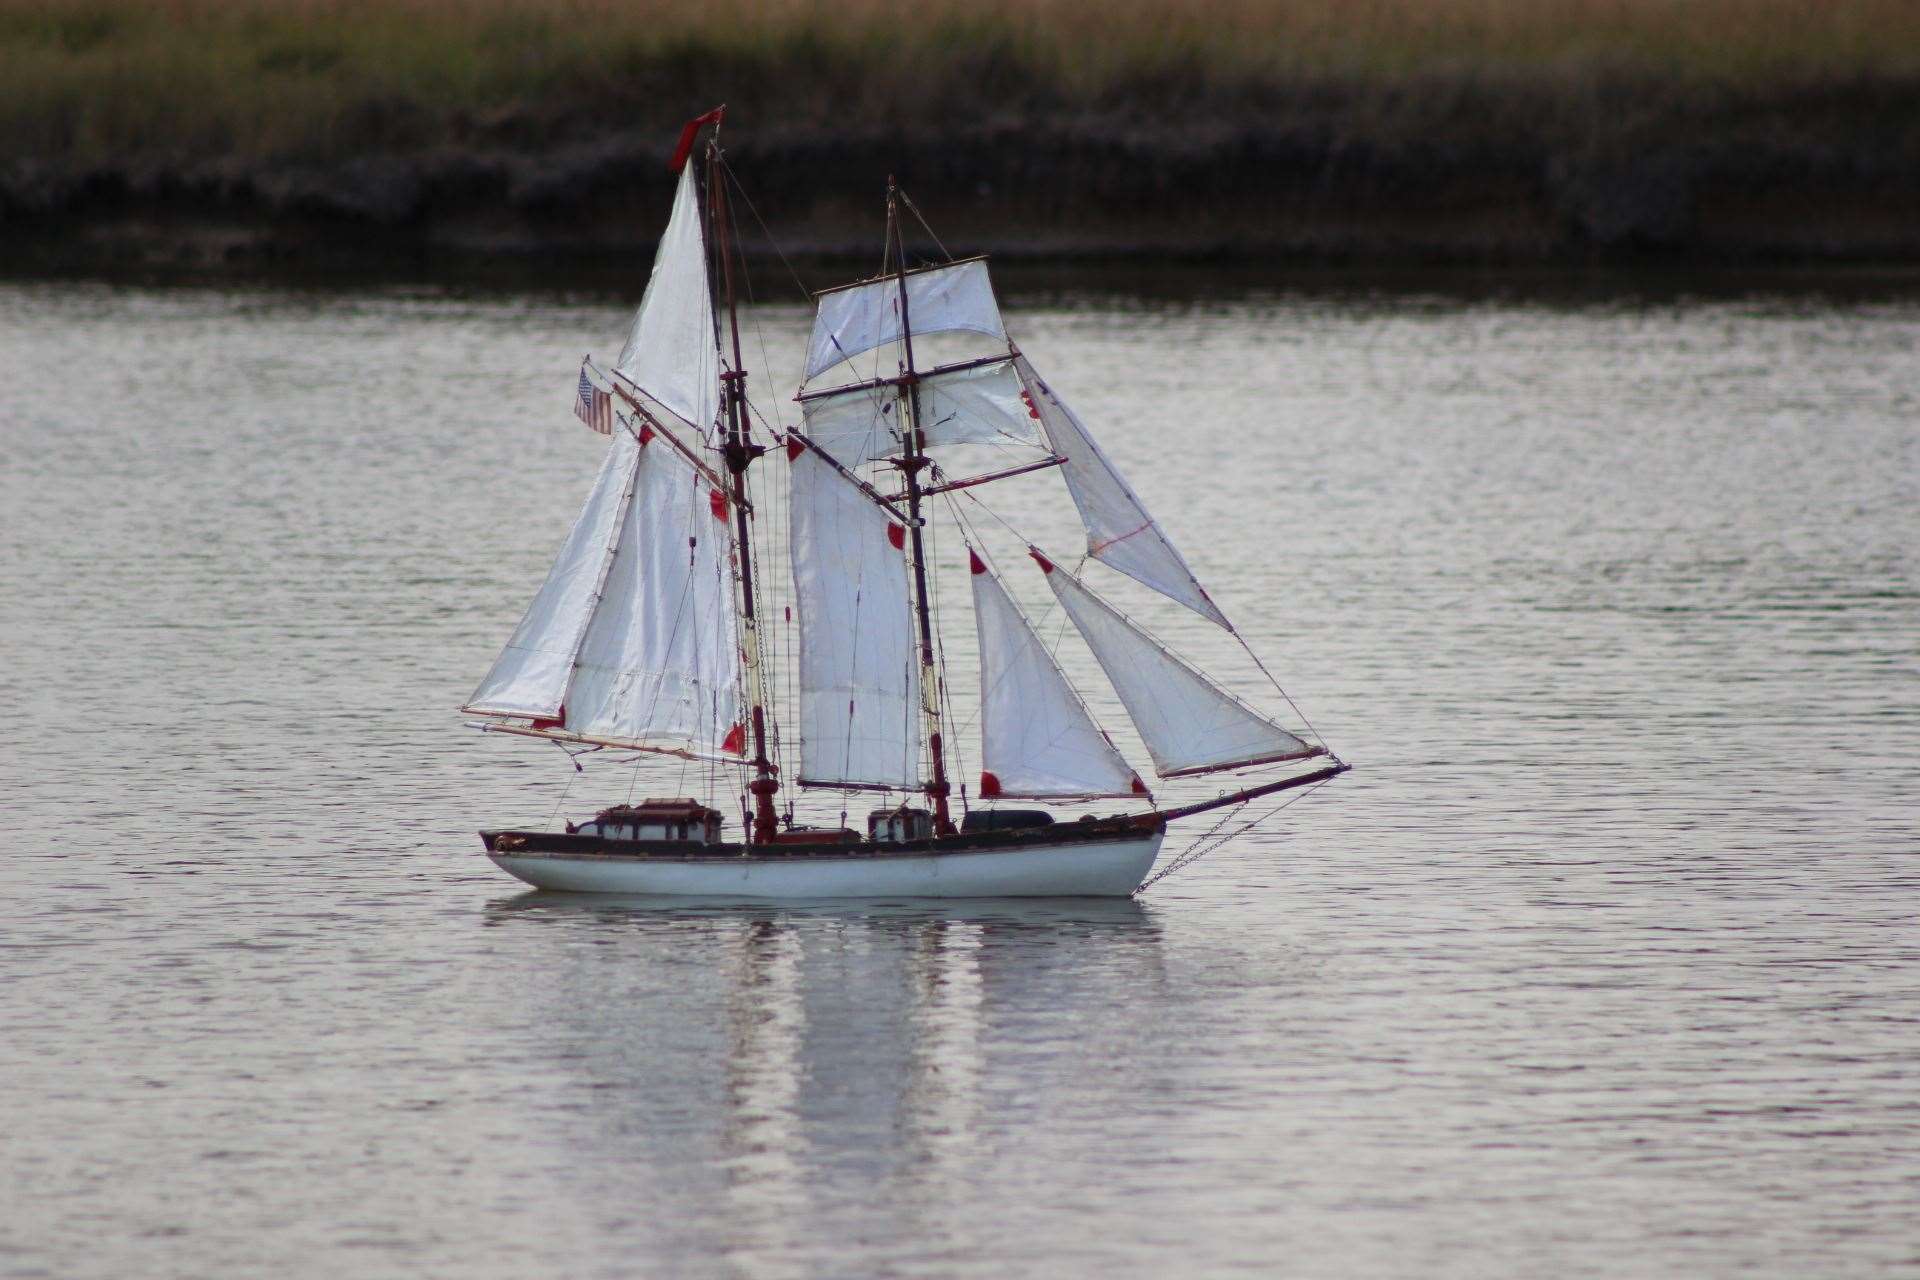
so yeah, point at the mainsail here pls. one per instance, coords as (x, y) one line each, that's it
(529, 679)
(633, 640)
(1037, 740)
(1120, 533)
(660, 661)
(955, 297)
(1189, 723)
(980, 402)
(671, 353)
(859, 673)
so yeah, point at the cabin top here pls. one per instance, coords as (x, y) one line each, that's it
(684, 819)
(686, 809)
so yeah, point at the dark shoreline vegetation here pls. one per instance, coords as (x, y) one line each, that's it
(351, 134)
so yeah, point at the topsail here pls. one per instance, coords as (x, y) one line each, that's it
(671, 352)
(953, 298)
(980, 402)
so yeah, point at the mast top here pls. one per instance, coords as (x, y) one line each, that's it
(690, 130)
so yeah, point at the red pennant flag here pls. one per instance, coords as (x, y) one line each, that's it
(689, 131)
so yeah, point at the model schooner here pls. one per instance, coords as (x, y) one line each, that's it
(647, 636)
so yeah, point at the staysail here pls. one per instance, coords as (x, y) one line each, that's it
(671, 353)
(1037, 740)
(633, 640)
(1189, 724)
(1120, 533)
(980, 402)
(951, 298)
(859, 673)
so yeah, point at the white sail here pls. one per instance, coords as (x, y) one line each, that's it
(1189, 723)
(1120, 533)
(859, 674)
(1037, 740)
(672, 353)
(659, 664)
(957, 297)
(530, 676)
(855, 426)
(979, 404)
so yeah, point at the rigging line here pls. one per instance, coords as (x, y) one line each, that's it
(1053, 649)
(1283, 693)
(1193, 854)
(908, 201)
(568, 789)
(758, 691)
(942, 699)
(759, 329)
(733, 178)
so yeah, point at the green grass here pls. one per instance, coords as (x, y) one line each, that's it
(324, 79)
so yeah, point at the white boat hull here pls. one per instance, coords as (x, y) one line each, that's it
(1100, 868)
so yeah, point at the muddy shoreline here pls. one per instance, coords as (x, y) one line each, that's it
(1629, 175)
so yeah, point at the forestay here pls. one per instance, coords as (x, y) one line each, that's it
(956, 297)
(1037, 740)
(672, 353)
(978, 404)
(859, 674)
(530, 676)
(1120, 533)
(1189, 723)
(659, 664)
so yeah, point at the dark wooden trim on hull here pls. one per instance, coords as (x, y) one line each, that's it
(556, 844)
(1250, 793)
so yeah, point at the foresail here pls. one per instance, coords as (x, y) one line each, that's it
(530, 676)
(659, 664)
(977, 404)
(956, 297)
(672, 353)
(859, 674)
(1189, 723)
(1120, 533)
(1037, 740)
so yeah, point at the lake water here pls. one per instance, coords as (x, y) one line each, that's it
(1603, 961)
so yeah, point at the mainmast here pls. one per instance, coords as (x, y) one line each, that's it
(740, 452)
(913, 458)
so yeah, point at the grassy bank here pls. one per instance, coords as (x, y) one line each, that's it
(1287, 122)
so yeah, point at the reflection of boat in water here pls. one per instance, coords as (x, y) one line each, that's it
(1122, 915)
(730, 1072)
(649, 635)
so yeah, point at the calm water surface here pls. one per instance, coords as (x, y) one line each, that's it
(1604, 961)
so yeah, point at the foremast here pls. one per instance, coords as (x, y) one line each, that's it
(911, 462)
(740, 452)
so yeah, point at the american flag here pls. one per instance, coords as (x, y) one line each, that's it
(593, 406)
